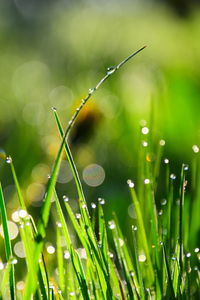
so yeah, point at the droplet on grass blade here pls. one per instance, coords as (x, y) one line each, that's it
(93, 205)
(195, 148)
(166, 160)
(65, 198)
(146, 181)
(22, 213)
(142, 258)
(111, 224)
(50, 249)
(72, 294)
(163, 201)
(173, 176)
(145, 130)
(162, 142)
(101, 201)
(91, 90)
(110, 70)
(8, 160)
(54, 108)
(185, 167)
(196, 250)
(66, 254)
(144, 143)
(1, 265)
(20, 285)
(188, 254)
(130, 183)
(78, 216)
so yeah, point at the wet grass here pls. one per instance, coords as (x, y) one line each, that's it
(159, 259)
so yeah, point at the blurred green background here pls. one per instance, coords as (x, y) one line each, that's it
(52, 53)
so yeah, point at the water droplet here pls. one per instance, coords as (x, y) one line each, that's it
(78, 216)
(66, 254)
(58, 224)
(110, 70)
(22, 213)
(145, 130)
(134, 228)
(130, 183)
(146, 181)
(195, 148)
(54, 108)
(166, 160)
(8, 160)
(84, 206)
(83, 101)
(111, 255)
(163, 201)
(185, 167)
(160, 212)
(78, 109)
(93, 205)
(196, 268)
(173, 176)
(173, 258)
(14, 261)
(188, 254)
(121, 242)
(65, 198)
(131, 273)
(48, 176)
(91, 90)
(51, 249)
(162, 142)
(1, 265)
(144, 143)
(101, 201)
(111, 224)
(70, 122)
(161, 243)
(27, 224)
(72, 293)
(142, 258)
(196, 250)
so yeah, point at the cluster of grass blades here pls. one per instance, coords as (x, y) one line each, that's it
(159, 259)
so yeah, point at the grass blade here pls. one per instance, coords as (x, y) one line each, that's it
(8, 248)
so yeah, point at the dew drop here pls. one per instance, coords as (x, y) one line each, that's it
(111, 255)
(72, 293)
(160, 212)
(110, 70)
(131, 273)
(22, 213)
(70, 122)
(185, 167)
(173, 258)
(91, 90)
(163, 202)
(196, 250)
(101, 201)
(144, 143)
(142, 258)
(111, 224)
(162, 142)
(65, 198)
(1, 265)
(78, 216)
(146, 181)
(161, 243)
(145, 130)
(173, 176)
(51, 249)
(134, 228)
(58, 224)
(166, 160)
(121, 242)
(130, 183)
(54, 108)
(14, 261)
(195, 148)
(8, 160)
(188, 254)
(93, 205)
(66, 254)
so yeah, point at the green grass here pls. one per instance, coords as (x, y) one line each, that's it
(157, 261)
